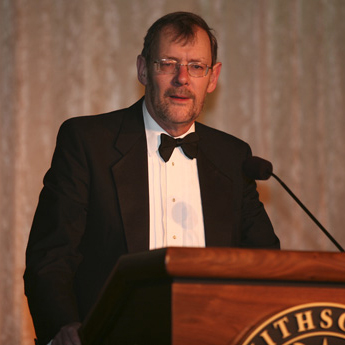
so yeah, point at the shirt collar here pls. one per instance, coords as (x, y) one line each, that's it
(154, 130)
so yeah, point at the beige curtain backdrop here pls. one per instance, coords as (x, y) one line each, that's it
(282, 89)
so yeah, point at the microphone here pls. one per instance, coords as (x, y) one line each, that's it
(258, 168)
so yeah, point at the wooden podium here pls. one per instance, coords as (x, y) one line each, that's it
(187, 296)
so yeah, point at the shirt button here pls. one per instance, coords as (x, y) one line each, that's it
(173, 164)
(173, 200)
(174, 237)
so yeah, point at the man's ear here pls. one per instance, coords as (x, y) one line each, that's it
(142, 70)
(214, 77)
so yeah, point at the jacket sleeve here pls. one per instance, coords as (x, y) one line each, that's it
(52, 255)
(257, 230)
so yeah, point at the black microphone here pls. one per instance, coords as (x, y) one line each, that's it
(258, 168)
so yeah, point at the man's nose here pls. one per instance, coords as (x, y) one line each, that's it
(182, 75)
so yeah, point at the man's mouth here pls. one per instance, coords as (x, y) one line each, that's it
(178, 96)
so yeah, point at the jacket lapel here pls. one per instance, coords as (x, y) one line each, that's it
(131, 179)
(216, 189)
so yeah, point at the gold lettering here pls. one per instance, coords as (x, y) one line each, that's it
(327, 321)
(305, 321)
(325, 341)
(341, 322)
(267, 338)
(282, 326)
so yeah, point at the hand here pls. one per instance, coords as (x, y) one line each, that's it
(68, 335)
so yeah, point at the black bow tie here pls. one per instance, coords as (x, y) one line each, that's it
(189, 145)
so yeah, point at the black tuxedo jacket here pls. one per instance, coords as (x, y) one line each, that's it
(94, 207)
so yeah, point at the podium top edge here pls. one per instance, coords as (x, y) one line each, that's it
(235, 263)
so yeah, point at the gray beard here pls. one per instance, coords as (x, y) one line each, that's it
(162, 109)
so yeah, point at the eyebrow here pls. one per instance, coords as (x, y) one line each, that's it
(176, 59)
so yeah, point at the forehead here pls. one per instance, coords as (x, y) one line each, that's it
(170, 42)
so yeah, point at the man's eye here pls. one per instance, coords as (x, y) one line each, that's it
(167, 64)
(197, 67)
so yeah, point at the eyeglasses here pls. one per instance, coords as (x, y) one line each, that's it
(195, 69)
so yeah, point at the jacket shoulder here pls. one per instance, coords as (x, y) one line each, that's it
(105, 122)
(216, 138)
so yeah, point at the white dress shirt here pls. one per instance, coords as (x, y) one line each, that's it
(176, 217)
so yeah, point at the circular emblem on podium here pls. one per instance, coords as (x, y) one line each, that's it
(306, 324)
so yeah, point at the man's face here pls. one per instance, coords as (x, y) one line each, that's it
(176, 100)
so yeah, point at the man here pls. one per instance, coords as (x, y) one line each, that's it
(111, 190)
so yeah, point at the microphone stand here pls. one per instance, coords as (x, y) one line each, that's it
(308, 212)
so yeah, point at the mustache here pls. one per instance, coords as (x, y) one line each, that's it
(179, 92)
